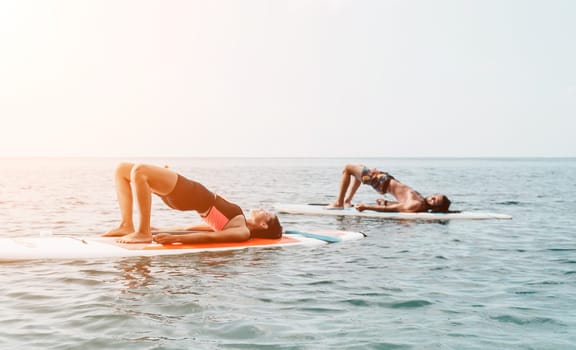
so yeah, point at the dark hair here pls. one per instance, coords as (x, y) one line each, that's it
(442, 206)
(274, 230)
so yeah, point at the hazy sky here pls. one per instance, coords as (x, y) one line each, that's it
(276, 78)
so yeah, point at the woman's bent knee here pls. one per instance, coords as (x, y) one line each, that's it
(123, 169)
(352, 169)
(138, 171)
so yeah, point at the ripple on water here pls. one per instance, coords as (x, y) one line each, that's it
(455, 285)
(409, 304)
(522, 321)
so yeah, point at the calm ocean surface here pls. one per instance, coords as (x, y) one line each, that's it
(497, 284)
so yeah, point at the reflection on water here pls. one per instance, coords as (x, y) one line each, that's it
(135, 273)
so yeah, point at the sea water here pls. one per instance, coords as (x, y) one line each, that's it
(478, 284)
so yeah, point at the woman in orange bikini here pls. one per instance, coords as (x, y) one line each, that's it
(224, 220)
(407, 199)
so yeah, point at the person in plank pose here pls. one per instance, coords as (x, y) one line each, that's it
(224, 220)
(407, 199)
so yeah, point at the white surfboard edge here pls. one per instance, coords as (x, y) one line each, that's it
(307, 209)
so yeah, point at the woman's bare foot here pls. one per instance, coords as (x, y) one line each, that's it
(136, 237)
(118, 232)
(334, 206)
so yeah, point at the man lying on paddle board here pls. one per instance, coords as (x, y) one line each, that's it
(407, 199)
(225, 220)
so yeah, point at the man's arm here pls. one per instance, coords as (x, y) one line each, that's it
(387, 206)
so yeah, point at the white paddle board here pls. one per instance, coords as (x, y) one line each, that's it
(72, 247)
(308, 209)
